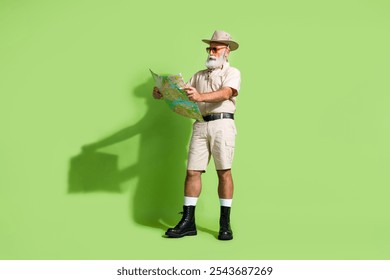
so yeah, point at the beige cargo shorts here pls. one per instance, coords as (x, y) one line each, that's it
(214, 138)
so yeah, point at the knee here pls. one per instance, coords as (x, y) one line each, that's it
(192, 174)
(224, 174)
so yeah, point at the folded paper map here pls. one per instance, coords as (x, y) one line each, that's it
(171, 88)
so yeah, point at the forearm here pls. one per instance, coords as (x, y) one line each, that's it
(217, 96)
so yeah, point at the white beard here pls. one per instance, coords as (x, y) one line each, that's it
(213, 63)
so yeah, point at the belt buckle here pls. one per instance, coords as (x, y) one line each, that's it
(221, 116)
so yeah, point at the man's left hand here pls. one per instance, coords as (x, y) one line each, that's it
(193, 94)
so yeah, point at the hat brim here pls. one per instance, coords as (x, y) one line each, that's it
(232, 45)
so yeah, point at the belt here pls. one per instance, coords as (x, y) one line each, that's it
(218, 116)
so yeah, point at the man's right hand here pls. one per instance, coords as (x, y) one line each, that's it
(156, 93)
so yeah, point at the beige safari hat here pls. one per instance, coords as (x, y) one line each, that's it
(223, 37)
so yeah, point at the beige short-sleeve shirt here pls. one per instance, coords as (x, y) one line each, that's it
(208, 81)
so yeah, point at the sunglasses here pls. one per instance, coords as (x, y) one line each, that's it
(214, 49)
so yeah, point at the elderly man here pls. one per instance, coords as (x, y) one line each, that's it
(215, 90)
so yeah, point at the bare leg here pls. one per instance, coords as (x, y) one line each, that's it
(225, 184)
(193, 183)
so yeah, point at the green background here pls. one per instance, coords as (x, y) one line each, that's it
(312, 156)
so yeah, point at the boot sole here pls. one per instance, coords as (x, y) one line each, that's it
(188, 233)
(225, 238)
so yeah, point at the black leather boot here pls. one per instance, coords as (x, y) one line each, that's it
(186, 226)
(225, 232)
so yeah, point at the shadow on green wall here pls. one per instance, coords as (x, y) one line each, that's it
(160, 166)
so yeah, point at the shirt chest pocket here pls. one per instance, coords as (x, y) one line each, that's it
(216, 83)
